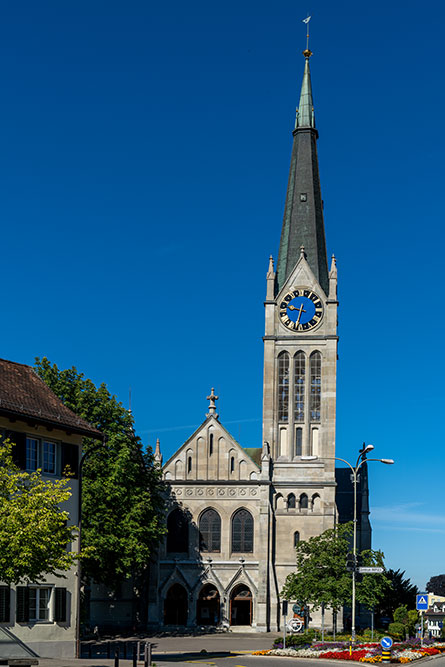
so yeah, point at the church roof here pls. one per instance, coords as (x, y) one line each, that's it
(254, 453)
(24, 394)
(303, 223)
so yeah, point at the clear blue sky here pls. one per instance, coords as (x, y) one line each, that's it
(143, 167)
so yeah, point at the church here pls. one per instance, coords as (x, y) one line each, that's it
(235, 515)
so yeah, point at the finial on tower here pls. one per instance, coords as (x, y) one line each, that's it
(212, 406)
(302, 253)
(158, 455)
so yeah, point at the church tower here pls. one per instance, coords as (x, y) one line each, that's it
(300, 342)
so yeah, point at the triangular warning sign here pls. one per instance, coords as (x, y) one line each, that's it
(422, 600)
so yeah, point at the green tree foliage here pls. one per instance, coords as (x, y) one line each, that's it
(401, 615)
(413, 619)
(321, 578)
(436, 585)
(122, 504)
(33, 526)
(372, 587)
(400, 592)
(406, 618)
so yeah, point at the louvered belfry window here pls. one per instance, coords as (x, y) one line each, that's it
(283, 387)
(299, 386)
(210, 531)
(242, 532)
(315, 397)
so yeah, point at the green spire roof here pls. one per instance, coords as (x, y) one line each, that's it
(305, 113)
(303, 213)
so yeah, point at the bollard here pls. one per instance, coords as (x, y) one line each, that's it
(135, 660)
(147, 654)
(138, 650)
(116, 657)
(386, 655)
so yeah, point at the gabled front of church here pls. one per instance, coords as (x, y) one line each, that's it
(235, 515)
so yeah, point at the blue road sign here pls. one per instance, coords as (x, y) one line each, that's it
(386, 642)
(422, 601)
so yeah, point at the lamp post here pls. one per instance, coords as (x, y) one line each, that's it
(354, 469)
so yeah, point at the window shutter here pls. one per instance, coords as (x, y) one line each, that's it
(19, 451)
(5, 595)
(60, 605)
(22, 593)
(70, 457)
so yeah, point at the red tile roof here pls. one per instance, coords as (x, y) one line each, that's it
(24, 394)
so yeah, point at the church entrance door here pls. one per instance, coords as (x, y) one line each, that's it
(241, 606)
(208, 605)
(175, 606)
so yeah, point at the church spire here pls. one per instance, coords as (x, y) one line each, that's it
(303, 214)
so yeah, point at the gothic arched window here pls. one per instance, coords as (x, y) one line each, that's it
(291, 501)
(283, 387)
(299, 386)
(242, 531)
(315, 397)
(211, 444)
(296, 538)
(210, 531)
(177, 532)
(303, 501)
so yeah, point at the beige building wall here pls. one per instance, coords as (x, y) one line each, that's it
(50, 638)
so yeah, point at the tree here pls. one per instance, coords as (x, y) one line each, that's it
(373, 587)
(33, 526)
(436, 585)
(322, 580)
(122, 502)
(400, 592)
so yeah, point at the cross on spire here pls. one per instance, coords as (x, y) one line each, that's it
(212, 406)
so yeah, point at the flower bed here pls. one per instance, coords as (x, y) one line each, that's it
(402, 652)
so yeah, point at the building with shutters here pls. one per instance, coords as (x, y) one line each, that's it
(236, 514)
(48, 436)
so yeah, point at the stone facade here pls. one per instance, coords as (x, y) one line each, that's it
(235, 515)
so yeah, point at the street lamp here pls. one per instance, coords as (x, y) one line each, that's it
(354, 469)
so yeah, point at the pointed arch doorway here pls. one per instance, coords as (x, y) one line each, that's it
(208, 606)
(241, 606)
(176, 606)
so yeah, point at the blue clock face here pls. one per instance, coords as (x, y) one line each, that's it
(301, 310)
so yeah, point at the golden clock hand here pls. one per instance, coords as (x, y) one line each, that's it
(292, 307)
(301, 309)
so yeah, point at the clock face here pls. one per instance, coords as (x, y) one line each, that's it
(301, 310)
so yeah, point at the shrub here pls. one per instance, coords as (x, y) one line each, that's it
(299, 639)
(396, 630)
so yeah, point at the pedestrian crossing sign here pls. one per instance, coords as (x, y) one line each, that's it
(422, 601)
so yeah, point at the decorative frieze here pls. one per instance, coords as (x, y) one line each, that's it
(210, 492)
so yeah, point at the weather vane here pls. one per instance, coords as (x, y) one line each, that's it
(306, 21)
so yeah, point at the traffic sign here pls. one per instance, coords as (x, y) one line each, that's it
(370, 570)
(386, 642)
(422, 601)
